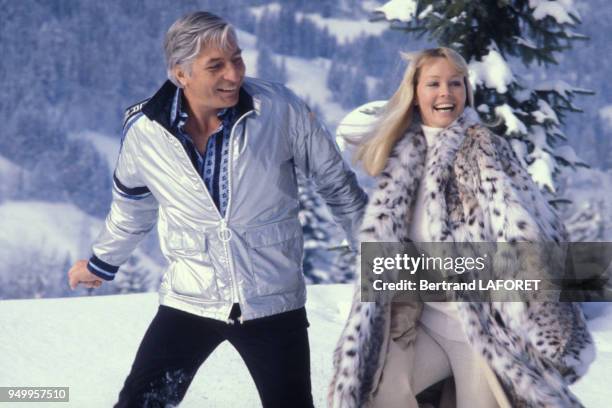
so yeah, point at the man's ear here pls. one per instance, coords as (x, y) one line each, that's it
(180, 75)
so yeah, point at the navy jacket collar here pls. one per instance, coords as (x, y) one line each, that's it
(159, 106)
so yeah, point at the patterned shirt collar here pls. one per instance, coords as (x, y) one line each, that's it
(178, 116)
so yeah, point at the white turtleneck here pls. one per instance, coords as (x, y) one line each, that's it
(441, 317)
(418, 227)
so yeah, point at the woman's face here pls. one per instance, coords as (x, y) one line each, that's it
(440, 93)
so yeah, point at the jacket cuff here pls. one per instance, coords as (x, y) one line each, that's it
(101, 269)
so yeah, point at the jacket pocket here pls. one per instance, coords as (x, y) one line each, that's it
(276, 252)
(192, 272)
(194, 280)
(185, 243)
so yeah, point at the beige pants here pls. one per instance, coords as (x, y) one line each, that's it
(435, 358)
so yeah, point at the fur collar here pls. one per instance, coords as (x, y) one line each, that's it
(470, 163)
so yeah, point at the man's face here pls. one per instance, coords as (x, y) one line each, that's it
(215, 78)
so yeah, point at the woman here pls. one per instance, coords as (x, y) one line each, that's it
(450, 179)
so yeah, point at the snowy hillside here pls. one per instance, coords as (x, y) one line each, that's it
(108, 146)
(307, 78)
(40, 240)
(88, 344)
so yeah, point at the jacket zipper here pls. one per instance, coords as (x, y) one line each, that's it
(223, 236)
(227, 209)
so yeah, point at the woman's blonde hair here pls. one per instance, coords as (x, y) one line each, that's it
(397, 114)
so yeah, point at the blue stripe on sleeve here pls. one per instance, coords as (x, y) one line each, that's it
(130, 192)
(102, 269)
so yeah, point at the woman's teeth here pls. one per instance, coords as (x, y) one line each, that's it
(444, 107)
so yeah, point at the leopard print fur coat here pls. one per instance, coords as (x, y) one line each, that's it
(476, 191)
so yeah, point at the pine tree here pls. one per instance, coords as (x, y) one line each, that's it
(347, 84)
(326, 260)
(586, 224)
(267, 68)
(491, 35)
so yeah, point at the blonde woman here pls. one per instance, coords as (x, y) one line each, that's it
(443, 177)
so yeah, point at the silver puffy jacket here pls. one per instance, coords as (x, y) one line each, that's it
(253, 255)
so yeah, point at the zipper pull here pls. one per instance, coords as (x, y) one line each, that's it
(223, 233)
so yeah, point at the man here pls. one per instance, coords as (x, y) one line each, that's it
(212, 157)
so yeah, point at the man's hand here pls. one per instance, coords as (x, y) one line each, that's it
(79, 274)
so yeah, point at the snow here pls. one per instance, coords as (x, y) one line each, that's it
(248, 44)
(10, 175)
(345, 30)
(594, 390)
(402, 10)
(106, 145)
(306, 77)
(561, 10)
(512, 122)
(26, 225)
(541, 171)
(574, 35)
(47, 235)
(246, 39)
(271, 8)
(525, 42)
(493, 72)
(484, 108)
(543, 166)
(588, 216)
(89, 343)
(546, 113)
(605, 114)
(458, 18)
(426, 12)
(7, 166)
(568, 154)
(301, 80)
(522, 95)
(562, 88)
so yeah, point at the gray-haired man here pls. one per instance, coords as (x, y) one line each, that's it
(212, 158)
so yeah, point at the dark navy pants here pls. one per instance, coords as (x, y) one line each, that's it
(275, 350)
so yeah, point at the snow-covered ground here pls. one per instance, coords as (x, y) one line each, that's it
(88, 344)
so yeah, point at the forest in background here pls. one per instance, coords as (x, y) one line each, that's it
(70, 67)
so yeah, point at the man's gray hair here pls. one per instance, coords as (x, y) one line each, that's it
(186, 37)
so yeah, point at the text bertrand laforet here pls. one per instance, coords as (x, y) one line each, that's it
(458, 265)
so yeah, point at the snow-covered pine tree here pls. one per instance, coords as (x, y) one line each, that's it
(347, 84)
(267, 68)
(325, 259)
(136, 275)
(586, 224)
(491, 36)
